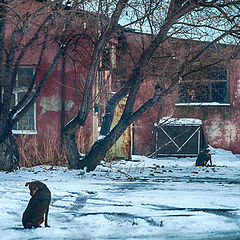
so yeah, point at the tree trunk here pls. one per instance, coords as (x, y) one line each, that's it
(9, 156)
(94, 155)
(71, 151)
(79, 120)
(99, 149)
(63, 98)
(101, 146)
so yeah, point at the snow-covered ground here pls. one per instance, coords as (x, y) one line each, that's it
(144, 198)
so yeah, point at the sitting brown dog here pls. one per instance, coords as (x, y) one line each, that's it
(38, 205)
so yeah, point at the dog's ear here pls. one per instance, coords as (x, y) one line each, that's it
(27, 184)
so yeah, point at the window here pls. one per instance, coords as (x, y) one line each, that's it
(27, 124)
(208, 86)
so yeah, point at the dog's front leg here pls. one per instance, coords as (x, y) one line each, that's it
(46, 218)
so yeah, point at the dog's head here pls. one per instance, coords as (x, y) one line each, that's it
(33, 186)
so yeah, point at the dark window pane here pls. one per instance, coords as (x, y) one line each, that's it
(13, 103)
(215, 73)
(106, 60)
(202, 92)
(25, 76)
(219, 92)
(186, 92)
(15, 126)
(27, 121)
(209, 85)
(194, 92)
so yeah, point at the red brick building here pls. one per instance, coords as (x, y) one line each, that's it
(39, 133)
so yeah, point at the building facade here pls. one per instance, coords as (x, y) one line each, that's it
(210, 94)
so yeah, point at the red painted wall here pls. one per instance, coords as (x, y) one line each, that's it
(48, 115)
(44, 147)
(221, 124)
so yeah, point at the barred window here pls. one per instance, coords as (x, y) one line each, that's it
(210, 85)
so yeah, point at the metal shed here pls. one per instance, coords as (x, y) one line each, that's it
(181, 137)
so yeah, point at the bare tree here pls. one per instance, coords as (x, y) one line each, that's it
(13, 49)
(104, 34)
(191, 19)
(68, 24)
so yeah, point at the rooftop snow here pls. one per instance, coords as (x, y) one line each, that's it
(178, 121)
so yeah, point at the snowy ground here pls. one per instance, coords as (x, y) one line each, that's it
(140, 199)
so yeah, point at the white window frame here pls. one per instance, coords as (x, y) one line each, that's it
(16, 91)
